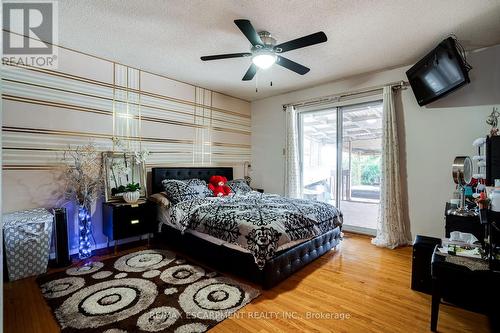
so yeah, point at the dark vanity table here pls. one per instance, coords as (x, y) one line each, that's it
(473, 284)
(466, 282)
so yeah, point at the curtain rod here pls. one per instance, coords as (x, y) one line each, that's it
(325, 99)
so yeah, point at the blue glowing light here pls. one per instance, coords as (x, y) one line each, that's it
(85, 227)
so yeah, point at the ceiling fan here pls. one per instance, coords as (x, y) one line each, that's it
(265, 52)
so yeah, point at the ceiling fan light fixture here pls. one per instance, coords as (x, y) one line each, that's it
(264, 59)
(265, 51)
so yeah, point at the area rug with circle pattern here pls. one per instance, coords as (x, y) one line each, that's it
(144, 291)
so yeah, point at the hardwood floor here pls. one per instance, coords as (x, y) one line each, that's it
(357, 288)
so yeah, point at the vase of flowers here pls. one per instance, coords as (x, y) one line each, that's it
(82, 173)
(132, 193)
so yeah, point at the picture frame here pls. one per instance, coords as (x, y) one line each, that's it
(121, 169)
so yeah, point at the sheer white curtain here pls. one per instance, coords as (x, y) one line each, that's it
(393, 227)
(292, 172)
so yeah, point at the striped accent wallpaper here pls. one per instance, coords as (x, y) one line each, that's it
(46, 111)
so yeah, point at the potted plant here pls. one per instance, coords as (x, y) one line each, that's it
(132, 193)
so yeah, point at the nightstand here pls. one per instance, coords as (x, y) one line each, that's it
(122, 220)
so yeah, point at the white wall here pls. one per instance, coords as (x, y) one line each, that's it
(434, 134)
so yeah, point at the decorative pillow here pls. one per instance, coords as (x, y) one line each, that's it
(194, 181)
(239, 186)
(161, 199)
(199, 186)
(178, 191)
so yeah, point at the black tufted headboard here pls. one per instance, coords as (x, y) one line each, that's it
(159, 174)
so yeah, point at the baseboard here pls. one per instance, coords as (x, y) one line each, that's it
(99, 246)
(359, 230)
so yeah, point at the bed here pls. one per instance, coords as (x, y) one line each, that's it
(289, 254)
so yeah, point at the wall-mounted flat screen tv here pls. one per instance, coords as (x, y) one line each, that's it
(440, 72)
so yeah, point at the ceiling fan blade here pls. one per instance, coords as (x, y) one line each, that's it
(252, 70)
(292, 65)
(316, 38)
(249, 32)
(225, 56)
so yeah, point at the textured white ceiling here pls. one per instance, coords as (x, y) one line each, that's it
(168, 37)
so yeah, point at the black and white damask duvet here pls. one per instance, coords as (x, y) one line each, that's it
(255, 221)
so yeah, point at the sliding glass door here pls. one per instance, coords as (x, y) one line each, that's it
(340, 160)
(318, 145)
(361, 169)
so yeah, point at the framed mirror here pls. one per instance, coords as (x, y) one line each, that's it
(120, 170)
